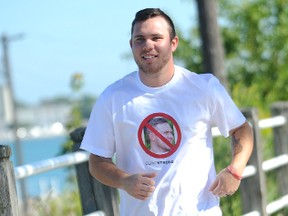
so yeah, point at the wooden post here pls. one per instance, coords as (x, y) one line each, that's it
(253, 189)
(8, 195)
(95, 196)
(281, 144)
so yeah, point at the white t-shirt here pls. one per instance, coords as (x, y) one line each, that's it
(192, 104)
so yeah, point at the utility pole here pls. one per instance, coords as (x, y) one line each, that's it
(212, 47)
(14, 119)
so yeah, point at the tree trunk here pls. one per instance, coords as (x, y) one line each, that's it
(212, 48)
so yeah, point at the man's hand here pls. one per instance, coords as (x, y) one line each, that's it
(225, 184)
(228, 180)
(140, 186)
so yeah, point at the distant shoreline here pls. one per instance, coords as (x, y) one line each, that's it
(54, 130)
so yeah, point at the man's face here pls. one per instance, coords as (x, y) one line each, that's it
(151, 45)
(158, 145)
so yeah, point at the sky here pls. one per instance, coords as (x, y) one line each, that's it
(61, 38)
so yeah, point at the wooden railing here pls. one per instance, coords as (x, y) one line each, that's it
(98, 199)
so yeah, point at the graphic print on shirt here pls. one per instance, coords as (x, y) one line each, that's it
(159, 135)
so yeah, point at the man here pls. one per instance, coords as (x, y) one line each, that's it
(163, 136)
(182, 181)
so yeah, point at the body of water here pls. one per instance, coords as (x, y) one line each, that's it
(33, 150)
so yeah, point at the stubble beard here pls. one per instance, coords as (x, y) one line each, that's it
(152, 68)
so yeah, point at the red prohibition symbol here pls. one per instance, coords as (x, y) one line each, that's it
(159, 135)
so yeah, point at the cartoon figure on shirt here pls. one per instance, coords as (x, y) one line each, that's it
(161, 138)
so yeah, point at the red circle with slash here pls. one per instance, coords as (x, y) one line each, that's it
(177, 134)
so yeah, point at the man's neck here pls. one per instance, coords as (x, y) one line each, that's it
(157, 79)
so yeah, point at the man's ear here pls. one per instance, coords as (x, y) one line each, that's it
(174, 43)
(130, 42)
(151, 136)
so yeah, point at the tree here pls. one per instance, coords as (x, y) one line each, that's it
(202, 51)
(256, 44)
(80, 109)
(213, 53)
(255, 39)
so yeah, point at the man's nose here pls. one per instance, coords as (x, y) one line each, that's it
(171, 136)
(148, 45)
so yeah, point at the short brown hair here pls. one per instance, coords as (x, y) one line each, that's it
(148, 13)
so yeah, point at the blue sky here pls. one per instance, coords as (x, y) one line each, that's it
(63, 37)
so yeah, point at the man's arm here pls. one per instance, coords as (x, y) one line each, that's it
(242, 146)
(140, 186)
(227, 181)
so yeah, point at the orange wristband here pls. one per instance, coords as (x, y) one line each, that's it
(233, 173)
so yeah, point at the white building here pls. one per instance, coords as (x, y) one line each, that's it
(6, 115)
(43, 115)
(33, 121)
(1, 105)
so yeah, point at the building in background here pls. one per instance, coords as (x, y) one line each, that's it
(34, 120)
(1, 108)
(5, 106)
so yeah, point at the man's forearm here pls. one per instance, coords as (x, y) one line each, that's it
(242, 146)
(140, 186)
(105, 171)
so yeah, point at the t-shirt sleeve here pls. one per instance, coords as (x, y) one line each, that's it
(99, 135)
(225, 114)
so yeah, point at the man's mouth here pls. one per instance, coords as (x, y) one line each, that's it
(149, 56)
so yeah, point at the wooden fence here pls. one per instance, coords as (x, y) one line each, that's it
(97, 198)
